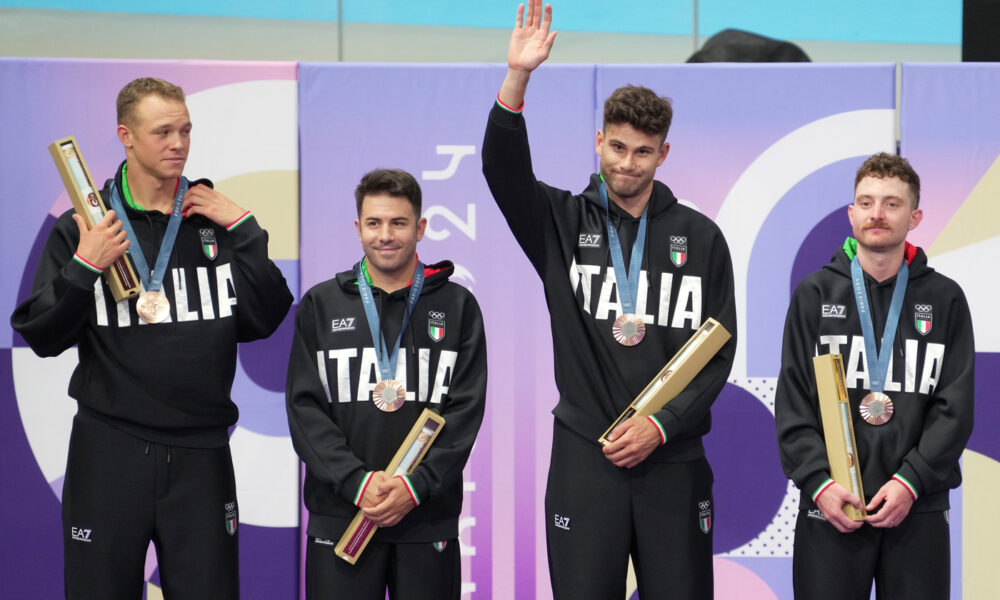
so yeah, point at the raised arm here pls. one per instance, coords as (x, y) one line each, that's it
(530, 43)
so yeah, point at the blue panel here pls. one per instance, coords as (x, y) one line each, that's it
(898, 21)
(639, 16)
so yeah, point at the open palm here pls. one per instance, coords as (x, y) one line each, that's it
(531, 40)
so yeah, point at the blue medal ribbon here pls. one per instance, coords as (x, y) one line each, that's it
(878, 361)
(152, 281)
(628, 285)
(386, 361)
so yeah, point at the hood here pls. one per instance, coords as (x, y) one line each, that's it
(660, 201)
(916, 260)
(435, 276)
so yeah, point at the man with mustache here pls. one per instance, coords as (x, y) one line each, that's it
(906, 336)
(629, 274)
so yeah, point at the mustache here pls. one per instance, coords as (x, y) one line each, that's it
(874, 224)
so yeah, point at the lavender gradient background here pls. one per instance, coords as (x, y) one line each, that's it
(357, 117)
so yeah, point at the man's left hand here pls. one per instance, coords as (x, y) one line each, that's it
(203, 200)
(632, 442)
(396, 503)
(896, 502)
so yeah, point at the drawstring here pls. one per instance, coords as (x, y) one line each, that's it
(169, 454)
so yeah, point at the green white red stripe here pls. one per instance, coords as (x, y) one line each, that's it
(909, 486)
(363, 487)
(409, 488)
(243, 219)
(516, 111)
(86, 264)
(822, 488)
(659, 429)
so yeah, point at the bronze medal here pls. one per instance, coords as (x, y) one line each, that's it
(876, 408)
(388, 395)
(628, 329)
(153, 307)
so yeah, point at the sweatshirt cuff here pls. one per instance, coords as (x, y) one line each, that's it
(822, 488)
(87, 264)
(906, 483)
(362, 487)
(508, 119)
(81, 273)
(510, 109)
(409, 488)
(659, 429)
(243, 219)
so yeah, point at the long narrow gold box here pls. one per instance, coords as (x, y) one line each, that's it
(838, 428)
(410, 453)
(82, 191)
(676, 374)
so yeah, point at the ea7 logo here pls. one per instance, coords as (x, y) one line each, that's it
(80, 534)
(561, 522)
(834, 311)
(590, 240)
(345, 324)
(815, 513)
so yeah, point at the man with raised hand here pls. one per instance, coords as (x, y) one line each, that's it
(905, 333)
(629, 274)
(149, 451)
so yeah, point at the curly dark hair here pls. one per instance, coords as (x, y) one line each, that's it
(884, 165)
(641, 108)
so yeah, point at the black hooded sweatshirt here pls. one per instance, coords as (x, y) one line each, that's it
(168, 382)
(687, 277)
(339, 432)
(930, 380)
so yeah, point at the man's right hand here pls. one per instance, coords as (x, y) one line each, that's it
(530, 43)
(102, 245)
(831, 503)
(372, 497)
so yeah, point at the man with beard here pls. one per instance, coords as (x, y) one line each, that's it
(648, 494)
(906, 336)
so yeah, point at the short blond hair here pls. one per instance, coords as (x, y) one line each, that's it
(137, 89)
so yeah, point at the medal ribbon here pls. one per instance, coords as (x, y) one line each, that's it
(628, 285)
(387, 362)
(152, 282)
(878, 362)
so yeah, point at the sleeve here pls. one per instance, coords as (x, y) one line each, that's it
(261, 288)
(56, 313)
(463, 411)
(520, 197)
(933, 465)
(800, 433)
(687, 410)
(316, 437)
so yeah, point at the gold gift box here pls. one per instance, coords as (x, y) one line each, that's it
(838, 428)
(410, 453)
(676, 374)
(87, 201)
